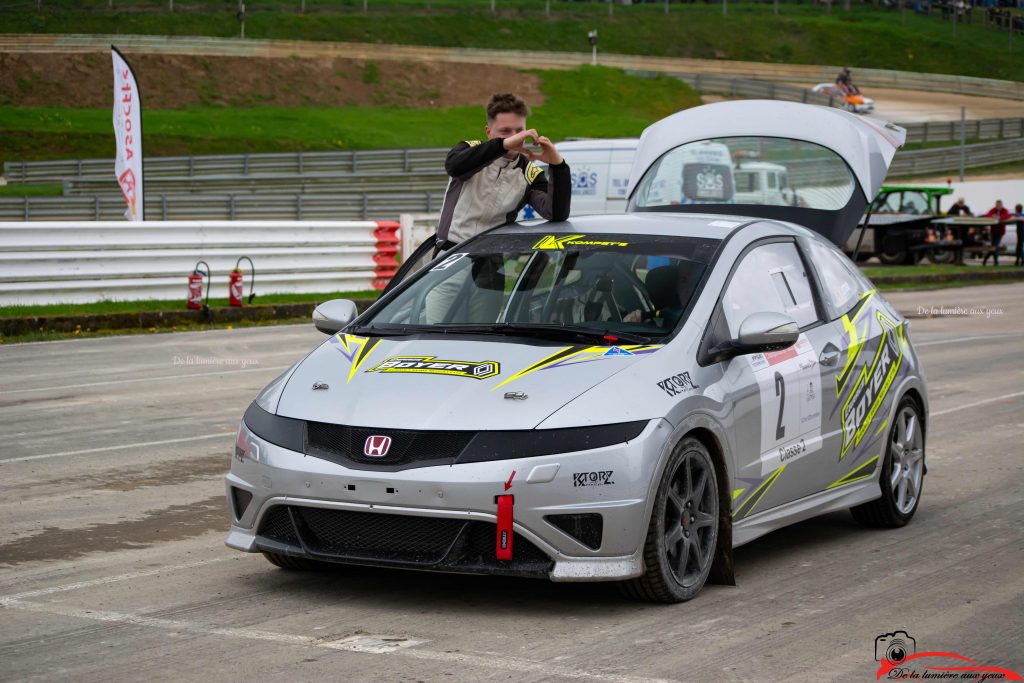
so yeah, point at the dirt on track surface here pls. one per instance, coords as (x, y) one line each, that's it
(180, 81)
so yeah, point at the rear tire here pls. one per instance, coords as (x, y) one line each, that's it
(902, 473)
(291, 563)
(683, 532)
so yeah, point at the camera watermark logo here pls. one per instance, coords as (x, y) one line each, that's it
(894, 647)
(898, 659)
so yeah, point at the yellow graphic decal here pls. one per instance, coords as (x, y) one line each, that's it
(872, 384)
(532, 171)
(356, 349)
(757, 494)
(428, 365)
(472, 143)
(862, 472)
(572, 355)
(555, 243)
(857, 337)
(737, 493)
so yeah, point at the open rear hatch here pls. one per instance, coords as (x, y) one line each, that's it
(814, 166)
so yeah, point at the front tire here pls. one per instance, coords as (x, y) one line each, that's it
(683, 533)
(902, 473)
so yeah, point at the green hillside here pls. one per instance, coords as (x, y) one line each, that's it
(867, 36)
(587, 102)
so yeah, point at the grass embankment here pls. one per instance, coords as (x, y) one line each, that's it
(866, 36)
(587, 102)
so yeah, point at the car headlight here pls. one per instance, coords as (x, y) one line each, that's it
(285, 432)
(248, 445)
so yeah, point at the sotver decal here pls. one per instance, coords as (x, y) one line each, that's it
(428, 365)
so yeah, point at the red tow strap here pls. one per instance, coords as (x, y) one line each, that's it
(503, 543)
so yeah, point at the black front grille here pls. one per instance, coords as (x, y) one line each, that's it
(398, 540)
(368, 535)
(344, 444)
(277, 526)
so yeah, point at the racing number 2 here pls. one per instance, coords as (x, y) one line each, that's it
(780, 391)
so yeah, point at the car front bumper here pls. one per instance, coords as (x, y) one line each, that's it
(306, 506)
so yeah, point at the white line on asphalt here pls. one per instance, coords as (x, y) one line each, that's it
(962, 339)
(962, 406)
(143, 444)
(102, 581)
(144, 379)
(128, 338)
(371, 645)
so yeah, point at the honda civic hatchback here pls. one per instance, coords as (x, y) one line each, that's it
(617, 398)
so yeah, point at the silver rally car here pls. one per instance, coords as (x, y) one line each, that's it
(614, 398)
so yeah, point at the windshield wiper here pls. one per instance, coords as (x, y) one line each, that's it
(374, 331)
(606, 337)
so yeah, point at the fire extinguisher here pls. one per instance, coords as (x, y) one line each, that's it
(195, 288)
(236, 283)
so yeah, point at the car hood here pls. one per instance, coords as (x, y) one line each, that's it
(423, 383)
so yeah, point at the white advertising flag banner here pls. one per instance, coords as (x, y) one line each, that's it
(128, 129)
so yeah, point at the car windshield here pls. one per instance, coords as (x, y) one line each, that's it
(607, 287)
(735, 170)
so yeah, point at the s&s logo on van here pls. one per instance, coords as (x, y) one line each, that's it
(584, 181)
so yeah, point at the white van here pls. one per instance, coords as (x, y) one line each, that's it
(600, 175)
(761, 182)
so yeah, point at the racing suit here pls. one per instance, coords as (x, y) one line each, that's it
(486, 190)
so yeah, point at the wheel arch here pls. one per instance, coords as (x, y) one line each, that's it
(722, 567)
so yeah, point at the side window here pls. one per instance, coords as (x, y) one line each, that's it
(842, 288)
(770, 278)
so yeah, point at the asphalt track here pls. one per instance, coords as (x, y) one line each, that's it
(112, 563)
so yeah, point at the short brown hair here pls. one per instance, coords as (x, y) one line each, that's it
(502, 103)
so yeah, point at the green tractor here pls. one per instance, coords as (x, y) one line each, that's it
(897, 232)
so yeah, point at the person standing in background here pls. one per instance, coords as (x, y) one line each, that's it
(1018, 213)
(1001, 214)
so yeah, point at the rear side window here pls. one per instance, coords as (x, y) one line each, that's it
(841, 283)
(770, 278)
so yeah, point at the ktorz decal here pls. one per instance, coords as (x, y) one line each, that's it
(428, 365)
(677, 384)
(592, 478)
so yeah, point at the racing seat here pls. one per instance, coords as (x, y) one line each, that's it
(663, 286)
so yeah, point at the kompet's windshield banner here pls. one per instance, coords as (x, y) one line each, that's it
(128, 130)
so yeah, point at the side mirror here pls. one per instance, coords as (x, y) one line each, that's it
(759, 333)
(331, 316)
(762, 332)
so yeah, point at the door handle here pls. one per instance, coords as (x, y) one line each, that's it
(829, 355)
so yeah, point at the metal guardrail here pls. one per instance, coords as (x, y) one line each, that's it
(73, 262)
(354, 161)
(744, 87)
(974, 129)
(223, 207)
(272, 183)
(948, 158)
(427, 160)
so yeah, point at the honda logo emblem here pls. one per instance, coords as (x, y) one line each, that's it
(377, 446)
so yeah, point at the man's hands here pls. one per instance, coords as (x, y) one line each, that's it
(546, 151)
